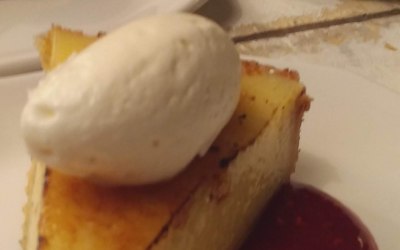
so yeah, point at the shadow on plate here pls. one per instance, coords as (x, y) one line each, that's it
(314, 170)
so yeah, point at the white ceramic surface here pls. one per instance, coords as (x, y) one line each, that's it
(22, 20)
(350, 148)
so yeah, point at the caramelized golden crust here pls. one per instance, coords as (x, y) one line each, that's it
(254, 68)
(59, 43)
(77, 213)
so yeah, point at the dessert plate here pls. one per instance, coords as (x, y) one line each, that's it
(22, 20)
(350, 148)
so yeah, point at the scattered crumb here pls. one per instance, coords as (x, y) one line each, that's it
(390, 47)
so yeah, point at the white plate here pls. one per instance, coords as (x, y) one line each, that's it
(350, 148)
(22, 20)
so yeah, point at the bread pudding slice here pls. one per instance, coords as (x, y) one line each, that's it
(211, 205)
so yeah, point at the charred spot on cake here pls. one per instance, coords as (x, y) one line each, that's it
(224, 162)
(304, 100)
(214, 149)
(231, 151)
(42, 242)
(220, 188)
(292, 74)
(47, 174)
(242, 117)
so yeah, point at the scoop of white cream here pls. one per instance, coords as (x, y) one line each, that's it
(139, 104)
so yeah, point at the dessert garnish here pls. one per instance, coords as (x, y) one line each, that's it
(139, 104)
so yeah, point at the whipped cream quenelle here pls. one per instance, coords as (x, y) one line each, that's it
(139, 104)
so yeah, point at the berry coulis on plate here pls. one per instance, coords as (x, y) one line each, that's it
(300, 217)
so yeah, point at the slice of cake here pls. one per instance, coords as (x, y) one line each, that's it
(210, 205)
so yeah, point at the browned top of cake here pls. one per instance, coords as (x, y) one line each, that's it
(254, 68)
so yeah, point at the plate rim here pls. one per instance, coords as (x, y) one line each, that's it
(23, 60)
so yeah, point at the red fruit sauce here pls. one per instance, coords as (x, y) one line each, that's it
(300, 217)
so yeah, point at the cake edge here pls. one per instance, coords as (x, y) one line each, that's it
(31, 209)
(186, 222)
